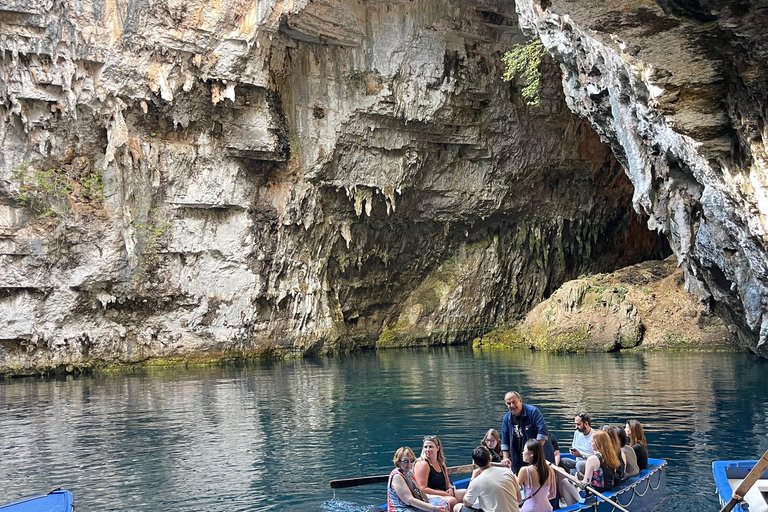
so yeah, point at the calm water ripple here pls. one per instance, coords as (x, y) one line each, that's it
(271, 436)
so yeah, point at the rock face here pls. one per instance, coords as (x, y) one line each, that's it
(643, 304)
(207, 179)
(678, 90)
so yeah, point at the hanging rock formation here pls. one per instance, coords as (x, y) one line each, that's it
(678, 90)
(212, 179)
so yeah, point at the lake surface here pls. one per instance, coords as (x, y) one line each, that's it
(270, 436)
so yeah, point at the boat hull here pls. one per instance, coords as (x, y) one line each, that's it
(728, 475)
(645, 492)
(54, 501)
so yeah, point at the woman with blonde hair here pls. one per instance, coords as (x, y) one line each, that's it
(402, 490)
(431, 473)
(634, 431)
(600, 470)
(492, 441)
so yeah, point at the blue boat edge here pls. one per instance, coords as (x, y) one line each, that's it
(58, 500)
(720, 472)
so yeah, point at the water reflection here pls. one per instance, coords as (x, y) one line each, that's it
(271, 436)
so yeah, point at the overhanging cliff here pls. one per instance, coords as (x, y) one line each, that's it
(678, 90)
(204, 179)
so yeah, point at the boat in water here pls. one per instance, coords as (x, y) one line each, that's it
(58, 500)
(729, 474)
(642, 493)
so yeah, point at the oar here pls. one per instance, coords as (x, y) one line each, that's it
(377, 479)
(586, 486)
(747, 483)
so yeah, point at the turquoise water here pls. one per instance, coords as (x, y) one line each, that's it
(271, 436)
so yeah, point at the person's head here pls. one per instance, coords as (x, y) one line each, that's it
(601, 443)
(622, 435)
(583, 423)
(533, 454)
(514, 402)
(635, 432)
(432, 449)
(492, 441)
(614, 438)
(404, 459)
(481, 456)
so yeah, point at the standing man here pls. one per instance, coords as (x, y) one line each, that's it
(521, 423)
(492, 489)
(581, 447)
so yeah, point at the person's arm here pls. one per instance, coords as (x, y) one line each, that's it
(421, 475)
(469, 498)
(505, 443)
(574, 450)
(540, 424)
(521, 476)
(404, 493)
(593, 464)
(552, 481)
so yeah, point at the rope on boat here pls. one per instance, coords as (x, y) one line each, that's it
(634, 491)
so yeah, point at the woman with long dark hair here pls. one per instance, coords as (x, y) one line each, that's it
(634, 431)
(537, 479)
(629, 454)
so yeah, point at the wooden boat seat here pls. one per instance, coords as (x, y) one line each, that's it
(755, 496)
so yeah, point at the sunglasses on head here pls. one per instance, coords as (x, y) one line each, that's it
(430, 438)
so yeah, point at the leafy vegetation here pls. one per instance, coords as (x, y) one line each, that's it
(42, 191)
(47, 192)
(523, 61)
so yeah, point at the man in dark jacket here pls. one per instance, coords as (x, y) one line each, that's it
(521, 423)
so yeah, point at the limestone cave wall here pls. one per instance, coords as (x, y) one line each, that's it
(678, 90)
(213, 179)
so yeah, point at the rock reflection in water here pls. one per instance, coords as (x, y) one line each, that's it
(270, 436)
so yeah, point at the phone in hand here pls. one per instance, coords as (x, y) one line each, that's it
(573, 450)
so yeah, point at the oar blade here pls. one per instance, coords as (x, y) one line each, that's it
(354, 482)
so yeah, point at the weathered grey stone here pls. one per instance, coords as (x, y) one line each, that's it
(285, 177)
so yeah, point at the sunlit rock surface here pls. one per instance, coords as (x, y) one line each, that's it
(214, 179)
(643, 305)
(678, 90)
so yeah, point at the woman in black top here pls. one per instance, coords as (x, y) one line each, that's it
(431, 473)
(634, 431)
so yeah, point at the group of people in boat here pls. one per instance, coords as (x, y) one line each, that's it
(602, 458)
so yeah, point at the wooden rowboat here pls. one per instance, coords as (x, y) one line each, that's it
(729, 474)
(645, 492)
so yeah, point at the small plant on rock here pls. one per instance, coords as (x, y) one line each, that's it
(44, 192)
(523, 61)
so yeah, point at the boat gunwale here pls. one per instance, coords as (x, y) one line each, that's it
(723, 487)
(62, 497)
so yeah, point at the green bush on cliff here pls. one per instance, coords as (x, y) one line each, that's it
(42, 191)
(523, 61)
(501, 338)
